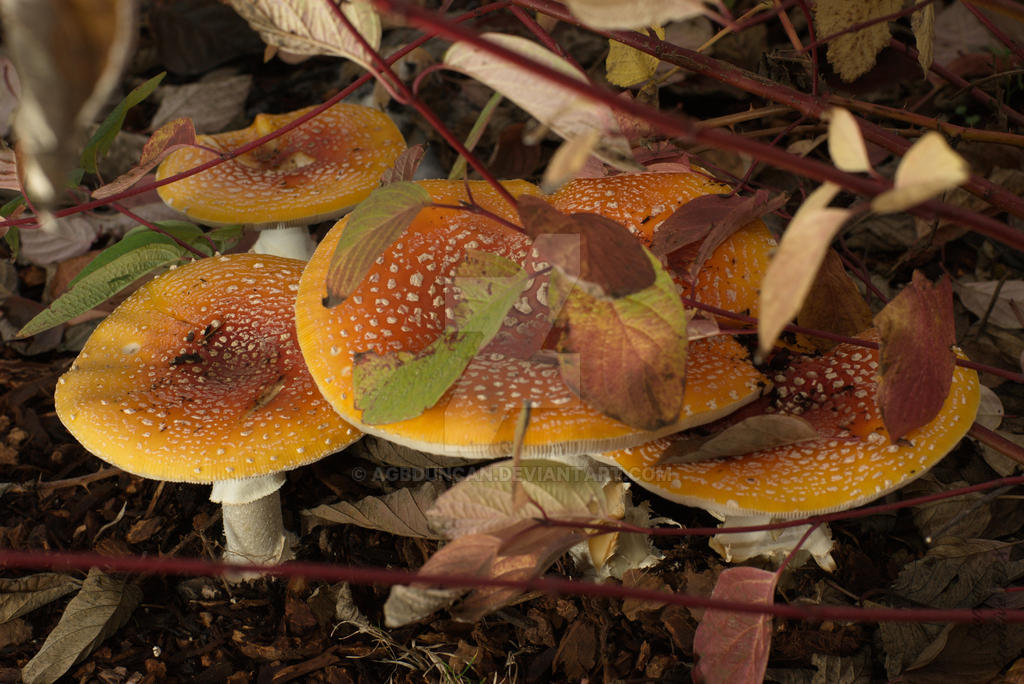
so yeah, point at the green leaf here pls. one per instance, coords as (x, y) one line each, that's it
(104, 136)
(136, 238)
(625, 357)
(374, 224)
(104, 282)
(13, 238)
(398, 386)
(225, 237)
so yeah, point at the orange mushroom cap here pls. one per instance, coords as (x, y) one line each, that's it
(311, 173)
(851, 462)
(731, 276)
(400, 306)
(197, 377)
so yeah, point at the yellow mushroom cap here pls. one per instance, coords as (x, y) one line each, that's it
(851, 462)
(197, 377)
(730, 277)
(400, 306)
(311, 173)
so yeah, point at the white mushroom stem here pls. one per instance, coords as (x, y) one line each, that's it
(285, 241)
(253, 526)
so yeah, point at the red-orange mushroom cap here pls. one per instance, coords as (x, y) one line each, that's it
(731, 276)
(198, 377)
(312, 173)
(851, 462)
(400, 306)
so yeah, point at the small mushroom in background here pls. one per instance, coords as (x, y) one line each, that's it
(312, 173)
(197, 377)
(400, 306)
(850, 462)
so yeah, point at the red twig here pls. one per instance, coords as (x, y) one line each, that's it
(63, 561)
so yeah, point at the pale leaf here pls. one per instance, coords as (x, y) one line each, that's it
(567, 161)
(929, 168)
(845, 142)
(733, 647)
(566, 114)
(1008, 309)
(751, 434)
(401, 512)
(616, 14)
(990, 411)
(922, 23)
(64, 82)
(792, 270)
(302, 27)
(102, 606)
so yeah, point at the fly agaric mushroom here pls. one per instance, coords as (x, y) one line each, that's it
(729, 278)
(197, 377)
(400, 305)
(312, 173)
(851, 462)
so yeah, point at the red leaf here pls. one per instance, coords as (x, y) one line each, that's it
(917, 361)
(165, 140)
(732, 648)
(594, 249)
(711, 218)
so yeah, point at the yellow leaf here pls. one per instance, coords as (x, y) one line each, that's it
(854, 53)
(845, 143)
(628, 66)
(922, 22)
(792, 270)
(929, 168)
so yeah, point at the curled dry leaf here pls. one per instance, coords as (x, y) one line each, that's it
(929, 168)
(301, 27)
(64, 82)
(795, 265)
(845, 142)
(170, 137)
(733, 647)
(24, 594)
(615, 14)
(568, 115)
(917, 361)
(775, 545)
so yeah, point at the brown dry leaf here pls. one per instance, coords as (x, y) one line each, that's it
(25, 594)
(835, 669)
(792, 270)
(99, 609)
(401, 512)
(853, 54)
(213, 103)
(301, 27)
(69, 55)
(929, 168)
(834, 304)
(578, 650)
(922, 23)
(750, 434)
(404, 168)
(958, 573)
(916, 356)
(1008, 309)
(845, 142)
(733, 647)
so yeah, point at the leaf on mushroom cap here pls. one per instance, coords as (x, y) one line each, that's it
(851, 463)
(401, 307)
(728, 279)
(197, 377)
(309, 174)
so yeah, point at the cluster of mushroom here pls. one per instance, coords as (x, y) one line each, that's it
(272, 408)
